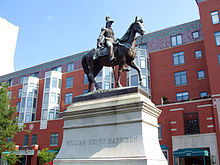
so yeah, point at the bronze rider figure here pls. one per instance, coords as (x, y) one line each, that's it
(109, 39)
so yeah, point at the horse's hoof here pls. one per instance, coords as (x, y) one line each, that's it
(141, 84)
(119, 86)
(126, 69)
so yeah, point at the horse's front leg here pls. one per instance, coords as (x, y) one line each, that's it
(90, 86)
(119, 76)
(134, 66)
(113, 68)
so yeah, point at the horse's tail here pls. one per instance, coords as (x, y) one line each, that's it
(84, 64)
(87, 61)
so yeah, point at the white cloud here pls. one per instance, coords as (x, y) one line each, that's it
(49, 17)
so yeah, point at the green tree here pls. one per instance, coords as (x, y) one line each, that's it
(8, 126)
(46, 156)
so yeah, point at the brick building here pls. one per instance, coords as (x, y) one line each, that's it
(180, 66)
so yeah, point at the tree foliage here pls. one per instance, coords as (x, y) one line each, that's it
(46, 156)
(8, 123)
(11, 158)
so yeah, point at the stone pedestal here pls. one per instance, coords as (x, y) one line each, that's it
(118, 127)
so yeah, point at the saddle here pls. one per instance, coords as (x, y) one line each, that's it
(104, 51)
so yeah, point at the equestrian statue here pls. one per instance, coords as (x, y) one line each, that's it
(111, 52)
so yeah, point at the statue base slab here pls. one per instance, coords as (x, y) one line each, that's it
(118, 127)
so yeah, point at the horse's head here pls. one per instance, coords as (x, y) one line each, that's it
(138, 26)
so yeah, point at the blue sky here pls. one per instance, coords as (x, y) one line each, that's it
(51, 29)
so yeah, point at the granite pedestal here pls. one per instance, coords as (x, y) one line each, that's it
(117, 127)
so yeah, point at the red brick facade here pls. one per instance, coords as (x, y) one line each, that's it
(203, 112)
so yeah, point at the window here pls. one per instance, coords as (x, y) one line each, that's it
(107, 85)
(54, 139)
(51, 114)
(26, 138)
(34, 103)
(54, 82)
(46, 97)
(58, 68)
(25, 86)
(57, 114)
(134, 80)
(178, 58)
(69, 82)
(60, 82)
(201, 74)
(176, 40)
(21, 116)
(23, 100)
(53, 98)
(10, 82)
(191, 123)
(217, 38)
(159, 132)
(33, 117)
(99, 74)
(58, 98)
(144, 81)
(203, 94)
(36, 74)
(22, 79)
(182, 96)
(44, 114)
(219, 58)
(85, 80)
(198, 53)
(47, 83)
(29, 102)
(100, 84)
(34, 139)
(180, 78)
(143, 62)
(9, 95)
(70, 67)
(215, 17)
(27, 118)
(148, 64)
(68, 98)
(195, 35)
(107, 72)
(18, 106)
(149, 82)
(19, 93)
(31, 88)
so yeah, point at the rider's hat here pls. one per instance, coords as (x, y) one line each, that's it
(108, 19)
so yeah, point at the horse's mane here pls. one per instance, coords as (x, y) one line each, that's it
(125, 37)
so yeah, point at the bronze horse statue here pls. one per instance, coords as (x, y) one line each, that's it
(125, 53)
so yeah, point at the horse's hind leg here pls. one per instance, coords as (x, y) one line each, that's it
(119, 75)
(134, 66)
(92, 80)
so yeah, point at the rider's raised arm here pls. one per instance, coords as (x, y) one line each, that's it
(100, 36)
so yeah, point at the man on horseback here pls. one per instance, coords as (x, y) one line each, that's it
(109, 39)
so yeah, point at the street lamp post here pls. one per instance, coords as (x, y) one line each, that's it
(26, 156)
(34, 160)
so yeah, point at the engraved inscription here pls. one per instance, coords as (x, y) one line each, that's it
(100, 141)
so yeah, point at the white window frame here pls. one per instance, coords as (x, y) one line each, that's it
(215, 17)
(176, 40)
